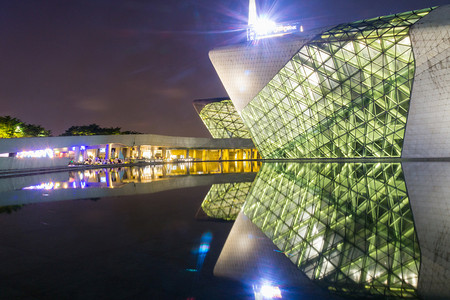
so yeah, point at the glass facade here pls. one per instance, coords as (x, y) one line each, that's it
(224, 201)
(344, 94)
(221, 118)
(349, 227)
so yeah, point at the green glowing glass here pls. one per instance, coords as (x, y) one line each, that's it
(344, 94)
(222, 119)
(224, 201)
(349, 227)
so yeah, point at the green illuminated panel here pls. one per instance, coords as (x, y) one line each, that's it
(349, 227)
(224, 201)
(223, 121)
(345, 94)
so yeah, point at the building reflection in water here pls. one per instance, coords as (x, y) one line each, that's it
(103, 182)
(224, 201)
(348, 227)
(117, 177)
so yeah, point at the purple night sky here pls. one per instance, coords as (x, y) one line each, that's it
(136, 64)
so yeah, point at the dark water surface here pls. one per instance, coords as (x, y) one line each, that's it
(236, 230)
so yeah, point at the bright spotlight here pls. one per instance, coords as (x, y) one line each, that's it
(267, 291)
(264, 26)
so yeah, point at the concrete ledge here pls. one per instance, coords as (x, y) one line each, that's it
(11, 164)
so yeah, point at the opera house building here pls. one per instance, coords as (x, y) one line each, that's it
(374, 88)
(326, 177)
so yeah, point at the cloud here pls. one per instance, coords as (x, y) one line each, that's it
(92, 104)
(172, 92)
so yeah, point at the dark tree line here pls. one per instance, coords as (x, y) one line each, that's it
(14, 128)
(94, 129)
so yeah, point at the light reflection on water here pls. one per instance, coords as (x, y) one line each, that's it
(354, 229)
(115, 177)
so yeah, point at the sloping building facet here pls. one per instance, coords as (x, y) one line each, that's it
(221, 118)
(346, 91)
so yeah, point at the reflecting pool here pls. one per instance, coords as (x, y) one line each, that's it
(231, 230)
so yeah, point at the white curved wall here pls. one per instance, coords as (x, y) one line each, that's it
(245, 69)
(428, 125)
(428, 192)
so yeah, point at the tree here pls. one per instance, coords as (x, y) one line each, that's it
(15, 128)
(35, 130)
(94, 129)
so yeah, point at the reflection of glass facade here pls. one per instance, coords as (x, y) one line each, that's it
(224, 201)
(346, 226)
(221, 118)
(344, 94)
